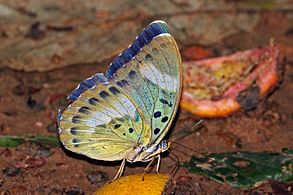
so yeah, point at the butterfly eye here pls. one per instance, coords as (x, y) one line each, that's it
(164, 145)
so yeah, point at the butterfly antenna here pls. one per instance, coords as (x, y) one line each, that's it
(176, 167)
(193, 125)
(185, 129)
(197, 123)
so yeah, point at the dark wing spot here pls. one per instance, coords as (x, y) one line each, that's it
(93, 101)
(156, 131)
(166, 102)
(155, 50)
(157, 114)
(132, 74)
(130, 130)
(84, 109)
(73, 130)
(104, 94)
(148, 57)
(124, 134)
(120, 119)
(124, 82)
(165, 119)
(117, 126)
(101, 126)
(76, 119)
(75, 142)
(114, 90)
(120, 84)
(163, 45)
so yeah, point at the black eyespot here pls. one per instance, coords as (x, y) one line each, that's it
(114, 90)
(84, 109)
(164, 119)
(76, 119)
(73, 130)
(124, 134)
(130, 130)
(117, 126)
(131, 74)
(157, 114)
(148, 57)
(156, 131)
(93, 101)
(104, 94)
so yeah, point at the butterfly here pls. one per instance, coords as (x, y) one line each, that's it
(124, 113)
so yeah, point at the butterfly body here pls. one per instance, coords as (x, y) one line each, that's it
(146, 153)
(125, 113)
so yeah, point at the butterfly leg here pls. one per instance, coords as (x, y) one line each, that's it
(121, 169)
(158, 163)
(151, 162)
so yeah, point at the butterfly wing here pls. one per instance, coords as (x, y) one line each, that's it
(152, 76)
(132, 105)
(101, 123)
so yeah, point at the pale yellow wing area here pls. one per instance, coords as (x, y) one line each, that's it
(102, 124)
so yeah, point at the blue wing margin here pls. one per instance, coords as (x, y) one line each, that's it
(87, 84)
(151, 31)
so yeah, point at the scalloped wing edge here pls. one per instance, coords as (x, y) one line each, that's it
(153, 30)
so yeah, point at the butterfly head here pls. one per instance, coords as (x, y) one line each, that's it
(164, 145)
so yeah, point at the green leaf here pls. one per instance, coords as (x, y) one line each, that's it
(49, 140)
(10, 141)
(13, 141)
(244, 169)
